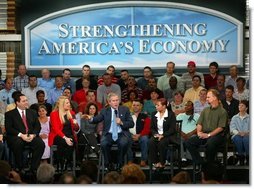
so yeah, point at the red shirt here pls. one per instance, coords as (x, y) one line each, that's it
(114, 80)
(210, 82)
(79, 96)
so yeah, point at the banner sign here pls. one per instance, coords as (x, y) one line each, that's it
(129, 34)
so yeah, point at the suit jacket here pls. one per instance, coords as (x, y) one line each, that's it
(57, 127)
(169, 125)
(14, 123)
(106, 115)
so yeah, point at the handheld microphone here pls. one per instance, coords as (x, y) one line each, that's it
(116, 112)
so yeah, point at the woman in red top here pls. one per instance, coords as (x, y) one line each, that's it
(63, 127)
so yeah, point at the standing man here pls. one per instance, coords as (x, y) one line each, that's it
(30, 92)
(143, 81)
(67, 80)
(211, 78)
(22, 129)
(117, 121)
(21, 81)
(56, 91)
(46, 82)
(106, 88)
(163, 81)
(187, 77)
(123, 81)
(210, 126)
(86, 72)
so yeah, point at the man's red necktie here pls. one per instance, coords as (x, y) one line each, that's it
(24, 121)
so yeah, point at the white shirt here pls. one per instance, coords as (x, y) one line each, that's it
(160, 121)
(133, 130)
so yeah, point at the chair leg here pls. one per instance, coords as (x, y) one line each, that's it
(99, 167)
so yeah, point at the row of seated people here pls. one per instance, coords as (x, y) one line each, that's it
(166, 84)
(64, 135)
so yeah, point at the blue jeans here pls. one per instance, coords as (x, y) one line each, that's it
(143, 143)
(242, 144)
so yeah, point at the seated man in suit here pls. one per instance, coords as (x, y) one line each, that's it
(117, 121)
(22, 129)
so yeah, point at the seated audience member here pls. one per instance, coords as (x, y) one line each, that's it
(7, 175)
(152, 85)
(133, 170)
(192, 93)
(230, 104)
(177, 104)
(80, 95)
(131, 96)
(189, 129)
(46, 82)
(116, 124)
(187, 77)
(45, 129)
(45, 174)
(231, 80)
(67, 80)
(212, 173)
(63, 125)
(140, 132)
(240, 130)
(67, 178)
(241, 93)
(90, 97)
(6, 93)
(111, 71)
(131, 87)
(83, 179)
(183, 177)
(211, 78)
(220, 87)
(122, 82)
(68, 92)
(210, 129)
(169, 93)
(106, 88)
(31, 90)
(112, 177)
(143, 81)
(163, 124)
(149, 105)
(200, 104)
(12, 105)
(22, 129)
(88, 131)
(57, 91)
(86, 72)
(40, 95)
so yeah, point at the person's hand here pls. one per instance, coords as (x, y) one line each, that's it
(44, 136)
(68, 141)
(25, 137)
(31, 137)
(1, 138)
(86, 116)
(135, 137)
(160, 137)
(119, 121)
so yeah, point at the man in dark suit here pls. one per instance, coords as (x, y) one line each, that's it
(22, 129)
(117, 121)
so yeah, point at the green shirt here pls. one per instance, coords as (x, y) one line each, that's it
(212, 118)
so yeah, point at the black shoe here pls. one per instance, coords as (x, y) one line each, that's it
(242, 159)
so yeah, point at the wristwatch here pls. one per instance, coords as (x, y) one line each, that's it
(209, 135)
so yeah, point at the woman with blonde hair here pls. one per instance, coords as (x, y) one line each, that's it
(63, 127)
